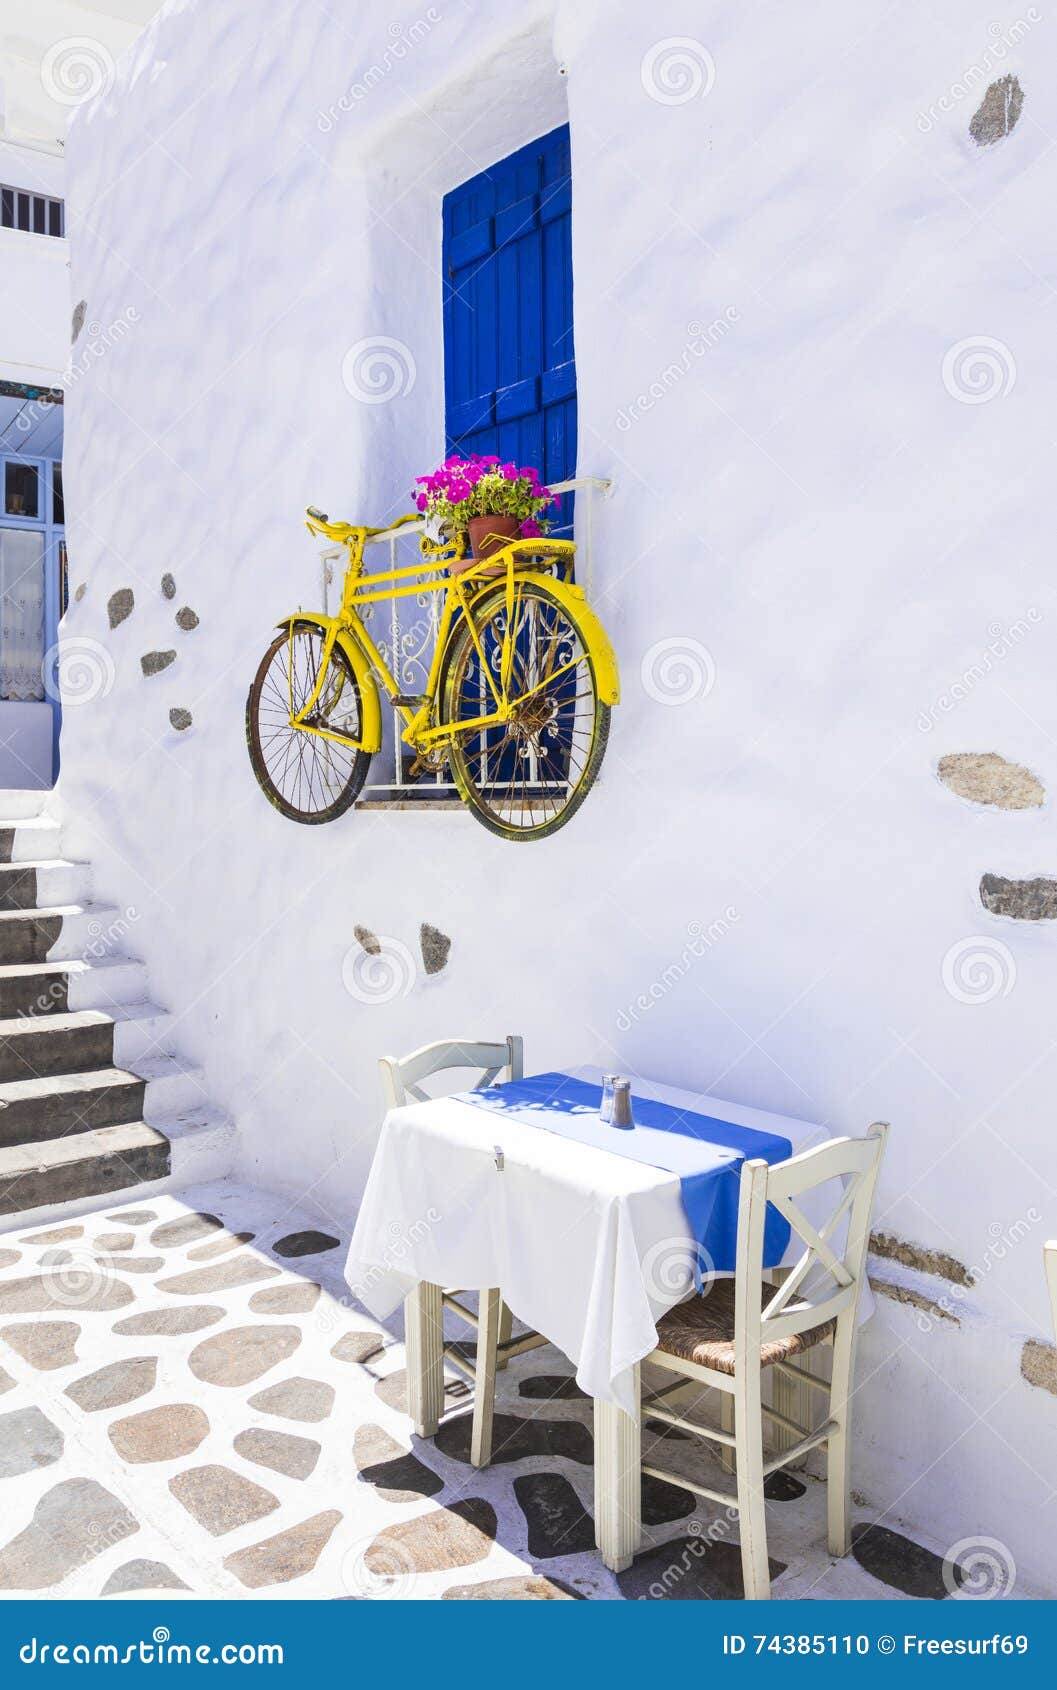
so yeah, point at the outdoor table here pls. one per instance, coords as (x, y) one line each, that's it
(588, 1246)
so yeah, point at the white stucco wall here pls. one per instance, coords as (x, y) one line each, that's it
(863, 554)
(34, 276)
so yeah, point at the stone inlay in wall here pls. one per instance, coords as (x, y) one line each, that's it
(69, 1524)
(558, 1523)
(521, 1587)
(28, 1440)
(186, 1229)
(80, 312)
(142, 1575)
(357, 1346)
(180, 719)
(446, 1537)
(296, 1399)
(153, 662)
(81, 590)
(688, 1569)
(514, 1438)
(998, 111)
(221, 1500)
(286, 1299)
(913, 1298)
(117, 1383)
(120, 605)
(159, 1434)
(241, 1354)
(305, 1244)
(283, 1452)
(900, 1562)
(288, 1555)
(1038, 1365)
(936, 1262)
(435, 947)
(224, 1276)
(986, 778)
(395, 1473)
(221, 1245)
(45, 1344)
(1024, 900)
(186, 619)
(169, 1323)
(43, 1292)
(168, 586)
(369, 941)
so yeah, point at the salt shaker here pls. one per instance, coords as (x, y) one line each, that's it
(622, 1115)
(605, 1112)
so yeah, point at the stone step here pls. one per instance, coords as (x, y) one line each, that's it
(30, 841)
(49, 988)
(18, 804)
(62, 932)
(71, 1041)
(31, 886)
(88, 1164)
(63, 1105)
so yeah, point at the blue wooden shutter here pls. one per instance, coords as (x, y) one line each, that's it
(509, 370)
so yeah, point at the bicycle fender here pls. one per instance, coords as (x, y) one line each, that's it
(607, 675)
(371, 738)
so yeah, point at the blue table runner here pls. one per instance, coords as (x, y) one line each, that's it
(705, 1152)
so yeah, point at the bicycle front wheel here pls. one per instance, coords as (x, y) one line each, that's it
(524, 778)
(307, 777)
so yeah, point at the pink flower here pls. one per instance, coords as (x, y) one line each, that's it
(530, 529)
(422, 502)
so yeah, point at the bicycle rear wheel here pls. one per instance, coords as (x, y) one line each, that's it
(524, 778)
(306, 777)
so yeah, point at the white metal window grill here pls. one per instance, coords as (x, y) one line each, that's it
(36, 214)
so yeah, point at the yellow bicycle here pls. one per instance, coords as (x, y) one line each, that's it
(517, 701)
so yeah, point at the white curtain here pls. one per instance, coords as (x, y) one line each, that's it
(21, 613)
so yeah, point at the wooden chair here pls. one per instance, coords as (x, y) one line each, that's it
(727, 1337)
(1049, 1255)
(402, 1083)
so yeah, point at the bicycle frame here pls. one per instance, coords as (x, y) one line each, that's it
(359, 590)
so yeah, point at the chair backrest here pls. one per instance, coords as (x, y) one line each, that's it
(402, 1076)
(1049, 1256)
(836, 1270)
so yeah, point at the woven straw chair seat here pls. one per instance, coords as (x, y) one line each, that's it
(702, 1331)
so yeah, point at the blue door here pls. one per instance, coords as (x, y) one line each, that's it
(509, 370)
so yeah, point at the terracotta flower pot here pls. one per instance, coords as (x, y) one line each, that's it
(489, 534)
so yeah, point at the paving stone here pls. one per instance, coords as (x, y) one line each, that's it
(392, 1390)
(241, 1354)
(56, 1258)
(283, 1452)
(54, 1235)
(142, 1575)
(27, 1440)
(435, 947)
(221, 1245)
(186, 619)
(8, 1258)
(180, 719)
(169, 1323)
(43, 1292)
(557, 1521)
(72, 1523)
(514, 1438)
(286, 1299)
(113, 1243)
(45, 1344)
(185, 1229)
(168, 586)
(153, 662)
(688, 1569)
(395, 1473)
(117, 1383)
(305, 1244)
(296, 1399)
(224, 1276)
(6, 1382)
(159, 1434)
(358, 1346)
(119, 606)
(543, 1387)
(289, 1555)
(900, 1562)
(986, 778)
(782, 1487)
(221, 1500)
(528, 1587)
(998, 111)
(135, 1217)
(663, 1502)
(132, 1264)
(458, 1536)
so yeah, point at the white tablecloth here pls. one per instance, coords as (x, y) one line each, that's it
(588, 1247)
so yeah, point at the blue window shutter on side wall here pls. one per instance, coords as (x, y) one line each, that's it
(509, 369)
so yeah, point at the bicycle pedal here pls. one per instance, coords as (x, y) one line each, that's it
(408, 700)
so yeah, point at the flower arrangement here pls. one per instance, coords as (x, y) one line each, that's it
(467, 487)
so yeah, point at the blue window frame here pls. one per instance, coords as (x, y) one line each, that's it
(509, 367)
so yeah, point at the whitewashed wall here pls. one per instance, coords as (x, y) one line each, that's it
(34, 277)
(809, 519)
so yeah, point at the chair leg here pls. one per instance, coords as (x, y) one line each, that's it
(506, 1327)
(838, 1449)
(489, 1319)
(748, 1421)
(726, 1424)
(424, 1343)
(618, 1483)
